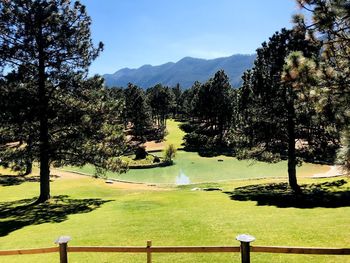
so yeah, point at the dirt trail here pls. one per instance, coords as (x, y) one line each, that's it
(153, 145)
(334, 170)
(114, 184)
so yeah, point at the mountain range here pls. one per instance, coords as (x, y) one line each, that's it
(185, 72)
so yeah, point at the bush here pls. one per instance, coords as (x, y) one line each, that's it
(140, 153)
(156, 159)
(195, 140)
(187, 127)
(344, 152)
(169, 153)
(156, 134)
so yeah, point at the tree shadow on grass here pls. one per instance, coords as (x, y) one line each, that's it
(9, 180)
(18, 214)
(329, 195)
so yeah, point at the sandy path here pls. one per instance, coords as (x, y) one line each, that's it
(334, 170)
(153, 145)
(114, 184)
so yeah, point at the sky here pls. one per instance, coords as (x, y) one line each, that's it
(139, 32)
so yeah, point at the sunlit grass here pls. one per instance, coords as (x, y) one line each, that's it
(174, 217)
(175, 134)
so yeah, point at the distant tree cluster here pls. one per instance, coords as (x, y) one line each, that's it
(145, 111)
(294, 102)
(209, 109)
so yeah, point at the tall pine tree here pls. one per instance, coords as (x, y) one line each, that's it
(331, 21)
(270, 123)
(47, 43)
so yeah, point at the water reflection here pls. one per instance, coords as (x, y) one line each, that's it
(182, 179)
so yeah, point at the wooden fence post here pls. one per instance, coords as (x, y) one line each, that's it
(62, 242)
(149, 255)
(245, 246)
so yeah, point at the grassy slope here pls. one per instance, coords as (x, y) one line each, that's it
(175, 134)
(174, 217)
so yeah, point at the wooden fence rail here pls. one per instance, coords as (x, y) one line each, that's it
(245, 249)
(156, 249)
(301, 250)
(28, 251)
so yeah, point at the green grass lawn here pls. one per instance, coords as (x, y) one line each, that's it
(95, 213)
(175, 134)
(98, 214)
(207, 169)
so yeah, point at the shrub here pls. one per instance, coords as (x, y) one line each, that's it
(196, 140)
(156, 159)
(169, 154)
(140, 153)
(187, 127)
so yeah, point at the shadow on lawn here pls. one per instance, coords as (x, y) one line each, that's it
(17, 214)
(9, 180)
(328, 194)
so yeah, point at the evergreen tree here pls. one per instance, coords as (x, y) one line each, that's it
(331, 21)
(161, 100)
(18, 126)
(137, 111)
(269, 125)
(190, 100)
(178, 103)
(210, 107)
(47, 44)
(215, 104)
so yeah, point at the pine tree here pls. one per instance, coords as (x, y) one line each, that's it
(331, 21)
(269, 124)
(162, 101)
(47, 44)
(137, 110)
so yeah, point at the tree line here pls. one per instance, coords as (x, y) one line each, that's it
(293, 104)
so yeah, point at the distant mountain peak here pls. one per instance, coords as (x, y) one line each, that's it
(186, 71)
(189, 58)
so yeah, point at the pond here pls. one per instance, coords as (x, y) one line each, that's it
(189, 167)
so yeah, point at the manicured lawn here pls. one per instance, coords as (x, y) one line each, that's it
(98, 214)
(203, 169)
(175, 134)
(95, 213)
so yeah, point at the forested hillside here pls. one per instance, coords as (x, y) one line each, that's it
(185, 72)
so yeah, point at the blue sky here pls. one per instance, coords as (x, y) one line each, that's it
(138, 32)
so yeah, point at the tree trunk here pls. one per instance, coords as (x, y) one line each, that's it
(44, 144)
(221, 133)
(44, 129)
(29, 159)
(29, 167)
(291, 147)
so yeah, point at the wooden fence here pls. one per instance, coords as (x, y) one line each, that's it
(245, 249)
